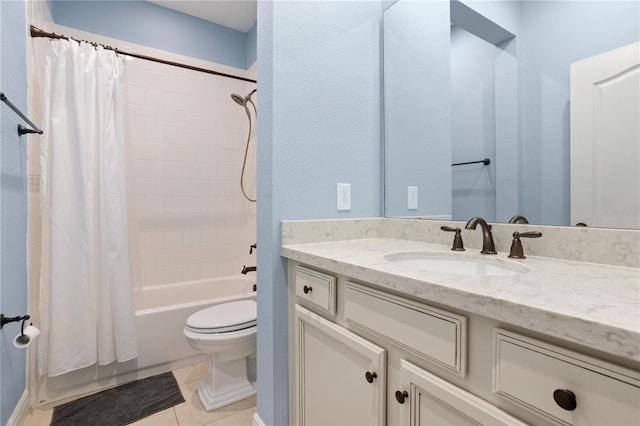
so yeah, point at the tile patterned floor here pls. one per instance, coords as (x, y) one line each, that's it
(189, 413)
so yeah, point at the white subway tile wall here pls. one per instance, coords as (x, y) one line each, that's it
(187, 143)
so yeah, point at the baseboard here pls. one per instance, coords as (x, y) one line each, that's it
(21, 412)
(256, 420)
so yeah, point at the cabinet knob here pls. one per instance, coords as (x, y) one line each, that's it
(401, 396)
(306, 289)
(565, 399)
(370, 376)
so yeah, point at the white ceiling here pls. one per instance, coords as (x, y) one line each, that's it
(237, 14)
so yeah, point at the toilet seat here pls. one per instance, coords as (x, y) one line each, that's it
(223, 318)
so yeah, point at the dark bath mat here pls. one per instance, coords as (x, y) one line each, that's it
(121, 405)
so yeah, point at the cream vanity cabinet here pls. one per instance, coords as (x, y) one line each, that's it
(364, 356)
(340, 377)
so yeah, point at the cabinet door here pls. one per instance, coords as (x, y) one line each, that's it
(432, 401)
(340, 376)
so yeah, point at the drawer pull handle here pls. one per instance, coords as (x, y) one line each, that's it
(565, 399)
(370, 376)
(306, 289)
(401, 395)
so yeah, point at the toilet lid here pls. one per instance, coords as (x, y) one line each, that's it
(224, 317)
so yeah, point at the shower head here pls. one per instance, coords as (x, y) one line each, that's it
(243, 101)
(239, 100)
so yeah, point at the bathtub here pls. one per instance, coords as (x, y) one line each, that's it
(161, 313)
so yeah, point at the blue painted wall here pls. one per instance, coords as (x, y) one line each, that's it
(498, 22)
(532, 93)
(319, 109)
(13, 203)
(506, 14)
(554, 34)
(417, 108)
(155, 26)
(550, 36)
(473, 134)
(252, 45)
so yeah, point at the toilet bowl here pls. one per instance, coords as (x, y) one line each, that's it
(227, 334)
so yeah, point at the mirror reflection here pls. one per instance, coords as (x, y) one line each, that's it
(546, 91)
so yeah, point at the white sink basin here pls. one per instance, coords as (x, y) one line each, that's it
(457, 264)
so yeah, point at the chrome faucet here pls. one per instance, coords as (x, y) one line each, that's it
(488, 247)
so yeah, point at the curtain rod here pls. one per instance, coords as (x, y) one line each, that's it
(37, 32)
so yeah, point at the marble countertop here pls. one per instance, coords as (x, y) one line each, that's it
(594, 305)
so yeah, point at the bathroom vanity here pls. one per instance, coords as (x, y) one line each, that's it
(384, 329)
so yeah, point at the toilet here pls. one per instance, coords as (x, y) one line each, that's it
(227, 334)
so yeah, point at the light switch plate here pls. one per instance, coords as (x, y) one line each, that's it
(412, 198)
(344, 196)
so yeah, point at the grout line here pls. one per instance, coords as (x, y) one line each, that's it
(175, 415)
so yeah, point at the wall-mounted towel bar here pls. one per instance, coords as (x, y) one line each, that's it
(486, 162)
(21, 129)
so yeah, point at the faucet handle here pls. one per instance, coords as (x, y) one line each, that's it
(457, 239)
(517, 251)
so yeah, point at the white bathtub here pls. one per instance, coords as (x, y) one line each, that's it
(161, 312)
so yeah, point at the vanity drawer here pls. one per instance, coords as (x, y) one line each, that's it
(316, 289)
(530, 372)
(434, 335)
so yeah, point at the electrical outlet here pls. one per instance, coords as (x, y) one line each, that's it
(344, 196)
(412, 198)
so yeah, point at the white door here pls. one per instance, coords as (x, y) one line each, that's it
(605, 139)
(431, 401)
(340, 376)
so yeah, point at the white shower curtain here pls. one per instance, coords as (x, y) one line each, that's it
(86, 303)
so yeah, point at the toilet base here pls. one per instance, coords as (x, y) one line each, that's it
(225, 383)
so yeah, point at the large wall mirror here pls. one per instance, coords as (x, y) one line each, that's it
(505, 108)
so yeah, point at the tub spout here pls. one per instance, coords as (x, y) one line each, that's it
(247, 269)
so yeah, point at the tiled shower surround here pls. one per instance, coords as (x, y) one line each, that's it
(187, 140)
